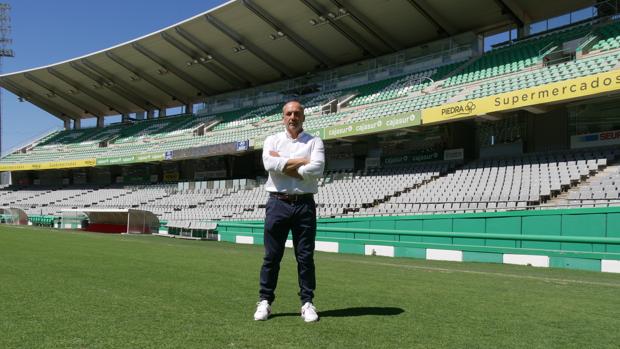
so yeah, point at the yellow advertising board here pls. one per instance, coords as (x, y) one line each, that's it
(48, 165)
(554, 92)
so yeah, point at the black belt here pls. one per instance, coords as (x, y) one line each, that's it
(290, 197)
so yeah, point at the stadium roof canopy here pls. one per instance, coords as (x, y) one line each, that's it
(252, 42)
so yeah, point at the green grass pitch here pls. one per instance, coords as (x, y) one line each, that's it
(62, 289)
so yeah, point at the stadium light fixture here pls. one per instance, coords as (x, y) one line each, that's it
(277, 35)
(342, 12)
(238, 49)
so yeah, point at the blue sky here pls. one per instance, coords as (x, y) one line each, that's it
(46, 32)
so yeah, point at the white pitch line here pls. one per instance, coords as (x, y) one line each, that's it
(515, 276)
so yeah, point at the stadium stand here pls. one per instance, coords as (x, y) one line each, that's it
(505, 183)
(385, 97)
(439, 187)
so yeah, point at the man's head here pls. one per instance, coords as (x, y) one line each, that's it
(293, 117)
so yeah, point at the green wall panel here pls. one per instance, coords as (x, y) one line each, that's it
(469, 225)
(407, 233)
(410, 238)
(575, 246)
(503, 225)
(613, 231)
(437, 225)
(411, 252)
(584, 225)
(353, 248)
(383, 237)
(382, 224)
(575, 263)
(409, 224)
(613, 225)
(228, 237)
(482, 257)
(541, 225)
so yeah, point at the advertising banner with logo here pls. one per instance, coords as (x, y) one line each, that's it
(204, 151)
(553, 92)
(317, 132)
(130, 159)
(242, 145)
(597, 139)
(359, 128)
(372, 126)
(257, 143)
(454, 154)
(51, 165)
(409, 159)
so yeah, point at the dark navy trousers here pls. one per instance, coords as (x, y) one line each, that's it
(299, 217)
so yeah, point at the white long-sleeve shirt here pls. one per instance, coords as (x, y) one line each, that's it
(305, 146)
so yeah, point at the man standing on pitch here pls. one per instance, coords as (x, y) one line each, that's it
(295, 161)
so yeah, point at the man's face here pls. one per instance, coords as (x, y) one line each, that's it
(293, 117)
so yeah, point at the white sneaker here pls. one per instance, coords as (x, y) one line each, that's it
(263, 310)
(308, 312)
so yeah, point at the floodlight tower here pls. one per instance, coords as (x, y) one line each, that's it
(5, 50)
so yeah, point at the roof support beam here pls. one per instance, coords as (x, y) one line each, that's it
(255, 50)
(370, 27)
(233, 79)
(48, 106)
(87, 91)
(294, 38)
(89, 109)
(510, 11)
(353, 38)
(175, 95)
(202, 88)
(115, 85)
(432, 17)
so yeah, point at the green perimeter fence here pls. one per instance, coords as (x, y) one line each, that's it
(571, 238)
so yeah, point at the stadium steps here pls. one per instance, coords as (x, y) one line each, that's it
(344, 101)
(608, 37)
(601, 189)
(421, 185)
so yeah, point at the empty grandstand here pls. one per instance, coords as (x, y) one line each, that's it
(419, 117)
